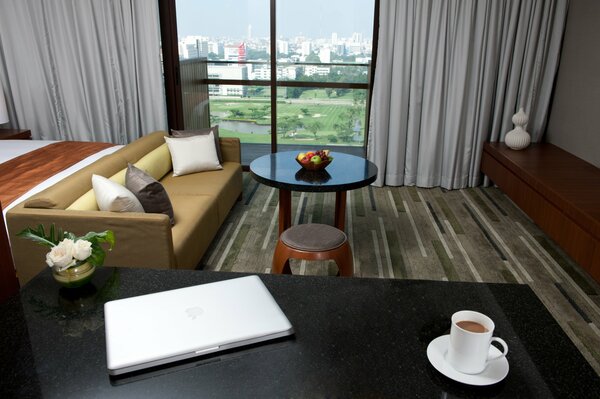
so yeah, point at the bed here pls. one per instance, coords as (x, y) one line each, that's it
(30, 166)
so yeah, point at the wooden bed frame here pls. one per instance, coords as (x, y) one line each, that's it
(9, 285)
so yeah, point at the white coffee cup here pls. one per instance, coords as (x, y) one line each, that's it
(470, 340)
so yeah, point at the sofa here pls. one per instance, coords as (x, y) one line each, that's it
(201, 202)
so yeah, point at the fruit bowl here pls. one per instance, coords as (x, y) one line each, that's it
(314, 166)
(314, 160)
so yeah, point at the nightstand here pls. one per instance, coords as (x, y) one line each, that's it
(15, 134)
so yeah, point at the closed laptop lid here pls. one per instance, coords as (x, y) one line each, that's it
(154, 329)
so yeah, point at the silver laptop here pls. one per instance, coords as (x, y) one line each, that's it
(168, 326)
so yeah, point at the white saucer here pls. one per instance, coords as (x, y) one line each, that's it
(495, 371)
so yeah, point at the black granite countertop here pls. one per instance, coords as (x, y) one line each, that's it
(354, 337)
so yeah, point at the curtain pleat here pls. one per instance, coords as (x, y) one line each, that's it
(450, 75)
(83, 70)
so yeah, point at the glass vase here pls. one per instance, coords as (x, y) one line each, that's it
(74, 276)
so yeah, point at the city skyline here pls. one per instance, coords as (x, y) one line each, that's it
(294, 18)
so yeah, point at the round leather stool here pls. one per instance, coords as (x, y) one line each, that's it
(313, 241)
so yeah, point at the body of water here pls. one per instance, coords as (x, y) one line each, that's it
(245, 127)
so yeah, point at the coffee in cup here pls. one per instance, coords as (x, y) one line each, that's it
(470, 340)
(472, 326)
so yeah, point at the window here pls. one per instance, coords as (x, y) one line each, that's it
(278, 74)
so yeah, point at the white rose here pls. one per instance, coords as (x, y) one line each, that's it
(82, 249)
(61, 255)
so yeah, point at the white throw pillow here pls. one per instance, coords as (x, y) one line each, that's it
(113, 197)
(193, 154)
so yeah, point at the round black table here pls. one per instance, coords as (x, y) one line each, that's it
(345, 172)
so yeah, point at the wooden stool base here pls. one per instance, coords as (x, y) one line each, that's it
(342, 256)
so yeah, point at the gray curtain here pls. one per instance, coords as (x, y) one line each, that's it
(85, 70)
(450, 75)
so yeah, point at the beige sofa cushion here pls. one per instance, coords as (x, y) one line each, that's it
(196, 224)
(136, 150)
(223, 185)
(63, 193)
(156, 163)
(202, 132)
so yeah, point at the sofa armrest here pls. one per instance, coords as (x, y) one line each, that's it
(231, 149)
(142, 239)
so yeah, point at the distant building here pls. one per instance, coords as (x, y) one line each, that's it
(283, 47)
(283, 73)
(357, 37)
(235, 52)
(334, 38)
(325, 55)
(228, 72)
(339, 49)
(216, 48)
(198, 49)
(305, 49)
(310, 70)
(353, 49)
(193, 47)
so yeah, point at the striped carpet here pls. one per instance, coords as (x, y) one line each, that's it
(474, 234)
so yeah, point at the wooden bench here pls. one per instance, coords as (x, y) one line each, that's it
(560, 192)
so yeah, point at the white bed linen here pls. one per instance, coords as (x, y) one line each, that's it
(61, 175)
(10, 149)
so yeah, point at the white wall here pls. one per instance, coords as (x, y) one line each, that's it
(574, 122)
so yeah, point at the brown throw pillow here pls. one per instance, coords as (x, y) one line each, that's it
(201, 132)
(149, 192)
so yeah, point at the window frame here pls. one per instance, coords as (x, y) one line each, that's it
(172, 78)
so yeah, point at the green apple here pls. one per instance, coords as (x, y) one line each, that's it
(316, 159)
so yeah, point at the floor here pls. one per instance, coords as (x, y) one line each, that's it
(474, 234)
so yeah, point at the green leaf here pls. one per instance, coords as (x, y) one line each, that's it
(97, 256)
(106, 236)
(38, 236)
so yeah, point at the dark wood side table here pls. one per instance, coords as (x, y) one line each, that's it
(280, 170)
(15, 134)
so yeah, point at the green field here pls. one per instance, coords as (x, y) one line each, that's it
(312, 106)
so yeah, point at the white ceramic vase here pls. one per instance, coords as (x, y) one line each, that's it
(518, 138)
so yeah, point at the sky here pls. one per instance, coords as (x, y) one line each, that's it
(310, 18)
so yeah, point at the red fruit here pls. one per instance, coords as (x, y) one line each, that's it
(305, 160)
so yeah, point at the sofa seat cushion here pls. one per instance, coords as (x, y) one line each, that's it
(196, 223)
(224, 185)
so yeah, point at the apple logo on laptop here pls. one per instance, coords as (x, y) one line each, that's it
(194, 312)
